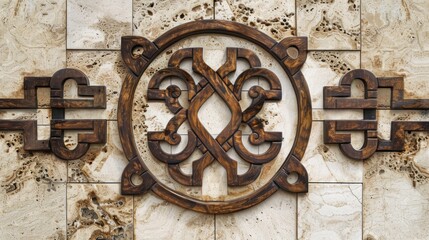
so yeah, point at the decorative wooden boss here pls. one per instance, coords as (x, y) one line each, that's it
(270, 85)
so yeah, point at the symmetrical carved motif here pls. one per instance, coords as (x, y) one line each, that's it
(58, 105)
(339, 98)
(214, 149)
(231, 136)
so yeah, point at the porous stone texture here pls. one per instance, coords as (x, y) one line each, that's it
(153, 18)
(330, 24)
(98, 211)
(274, 18)
(98, 24)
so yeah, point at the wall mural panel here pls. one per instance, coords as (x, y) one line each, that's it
(207, 118)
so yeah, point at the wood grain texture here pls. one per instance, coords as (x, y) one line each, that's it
(199, 139)
(58, 104)
(339, 97)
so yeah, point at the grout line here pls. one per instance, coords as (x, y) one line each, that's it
(360, 66)
(214, 217)
(78, 183)
(334, 50)
(214, 10)
(133, 215)
(296, 19)
(67, 162)
(296, 216)
(341, 183)
(93, 49)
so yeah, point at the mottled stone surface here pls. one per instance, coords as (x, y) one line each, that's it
(98, 211)
(274, 18)
(102, 68)
(330, 211)
(275, 218)
(32, 42)
(32, 192)
(97, 24)
(153, 18)
(329, 24)
(155, 218)
(395, 43)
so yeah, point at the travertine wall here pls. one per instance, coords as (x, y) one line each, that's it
(387, 197)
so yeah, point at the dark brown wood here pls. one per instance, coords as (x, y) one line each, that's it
(214, 81)
(56, 142)
(339, 98)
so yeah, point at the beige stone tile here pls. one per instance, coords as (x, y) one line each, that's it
(32, 42)
(325, 68)
(395, 207)
(326, 163)
(98, 211)
(102, 163)
(275, 218)
(329, 24)
(155, 218)
(330, 211)
(274, 18)
(98, 24)
(153, 18)
(395, 42)
(102, 68)
(35, 210)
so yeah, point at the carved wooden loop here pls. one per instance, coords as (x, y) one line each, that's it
(199, 139)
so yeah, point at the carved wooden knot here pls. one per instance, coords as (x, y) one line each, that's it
(230, 137)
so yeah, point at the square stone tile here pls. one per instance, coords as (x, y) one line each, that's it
(155, 218)
(330, 211)
(396, 187)
(395, 38)
(36, 209)
(102, 163)
(329, 24)
(274, 18)
(98, 24)
(102, 68)
(98, 211)
(153, 18)
(32, 42)
(275, 218)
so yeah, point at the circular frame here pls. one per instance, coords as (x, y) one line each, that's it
(137, 64)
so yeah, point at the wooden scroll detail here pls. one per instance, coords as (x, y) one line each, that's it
(58, 105)
(214, 149)
(339, 98)
(138, 53)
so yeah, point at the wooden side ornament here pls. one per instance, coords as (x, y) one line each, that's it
(58, 104)
(338, 97)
